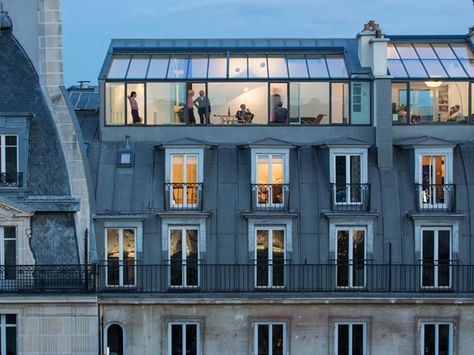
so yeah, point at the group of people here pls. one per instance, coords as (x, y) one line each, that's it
(203, 106)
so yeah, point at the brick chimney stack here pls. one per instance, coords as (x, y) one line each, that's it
(373, 48)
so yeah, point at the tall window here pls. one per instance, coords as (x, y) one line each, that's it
(350, 339)
(348, 176)
(432, 179)
(9, 160)
(184, 338)
(270, 338)
(270, 257)
(351, 257)
(8, 334)
(436, 257)
(437, 339)
(184, 256)
(115, 103)
(121, 256)
(114, 344)
(8, 252)
(271, 180)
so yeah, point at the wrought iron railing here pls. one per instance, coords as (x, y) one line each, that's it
(11, 180)
(350, 197)
(435, 197)
(183, 196)
(270, 197)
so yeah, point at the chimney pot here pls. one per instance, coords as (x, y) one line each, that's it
(471, 29)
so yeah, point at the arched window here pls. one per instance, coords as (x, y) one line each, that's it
(114, 342)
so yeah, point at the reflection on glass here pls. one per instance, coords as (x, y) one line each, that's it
(262, 258)
(392, 52)
(184, 268)
(277, 67)
(434, 68)
(443, 50)
(317, 67)
(176, 258)
(138, 67)
(309, 103)
(350, 258)
(119, 67)
(277, 339)
(337, 67)
(406, 51)
(217, 67)
(270, 259)
(158, 67)
(462, 51)
(454, 68)
(339, 103)
(414, 68)
(238, 67)
(425, 51)
(113, 256)
(297, 67)
(178, 67)
(258, 67)
(396, 69)
(468, 66)
(165, 103)
(129, 256)
(115, 103)
(198, 67)
(399, 102)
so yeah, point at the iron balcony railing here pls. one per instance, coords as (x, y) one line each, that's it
(183, 196)
(48, 278)
(11, 180)
(270, 197)
(350, 197)
(435, 197)
(336, 279)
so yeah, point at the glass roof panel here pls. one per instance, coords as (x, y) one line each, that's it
(198, 67)
(238, 67)
(337, 67)
(277, 67)
(462, 51)
(138, 67)
(414, 68)
(434, 68)
(454, 68)
(425, 51)
(406, 51)
(392, 52)
(468, 64)
(396, 69)
(178, 67)
(297, 67)
(158, 67)
(258, 67)
(217, 67)
(317, 67)
(119, 67)
(443, 51)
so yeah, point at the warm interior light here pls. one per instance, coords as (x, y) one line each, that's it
(433, 84)
(246, 89)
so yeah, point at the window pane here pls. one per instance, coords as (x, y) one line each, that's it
(423, 103)
(176, 257)
(217, 67)
(129, 256)
(165, 103)
(10, 259)
(309, 103)
(406, 51)
(263, 169)
(119, 67)
(198, 67)
(113, 256)
(262, 258)
(341, 178)
(468, 66)
(297, 67)
(277, 339)
(262, 339)
(258, 67)
(340, 103)
(342, 258)
(277, 169)
(396, 69)
(399, 103)
(454, 68)
(11, 163)
(425, 51)
(355, 179)
(158, 67)
(317, 67)
(360, 102)
(192, 257)
(462, 51)
(138, 68)
(178, 67)
(434, 68)
(444, 341)
(191, 169)
(443, 51)
(278, 257)
(429, 340)
(10, 140)
(176, 339)
(277, 67)
(279, 102)
(428, 258)
(10, 319)
(392, 52)
(337, 67)
(342, 339)
(358, 339)
(358, 255)
(238, 67)
(415, 69)
(115, 339)
(191, 339)
(115, 104)
(135, 104)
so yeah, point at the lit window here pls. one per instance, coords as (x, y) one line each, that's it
(270, 257)
(238, 67)
(121, 256)
(436, 339)
(350, 339)
(270, 338)
(184, 338)
(178, 67)
(436, 257)
(184, 256)
(125, 157)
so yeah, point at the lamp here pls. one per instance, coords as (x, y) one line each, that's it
(433, 84)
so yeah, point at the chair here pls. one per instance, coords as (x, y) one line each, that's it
(313, 120)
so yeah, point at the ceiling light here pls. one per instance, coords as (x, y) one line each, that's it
(433, 84)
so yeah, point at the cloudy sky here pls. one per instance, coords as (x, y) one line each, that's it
(88, 25)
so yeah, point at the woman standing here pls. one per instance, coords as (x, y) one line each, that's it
(190, 107)
(204, 107)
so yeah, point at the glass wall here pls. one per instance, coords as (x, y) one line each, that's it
(165, 103)
(399, 102)
(340, 103)
(136, 103)
(309, 103)
(115, 103)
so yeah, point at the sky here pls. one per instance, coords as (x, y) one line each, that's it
(89, 25)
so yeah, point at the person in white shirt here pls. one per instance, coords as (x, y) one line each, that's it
(456, 114)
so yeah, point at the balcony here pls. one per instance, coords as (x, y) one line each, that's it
(11, 180)
(270, 197)
(435, 197)
(350, 197)
(183, 196)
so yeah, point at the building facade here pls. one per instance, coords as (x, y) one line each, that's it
(313, 199)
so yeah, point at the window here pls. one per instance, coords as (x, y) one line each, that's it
(436, 257)
(114, 342)
(437, 339)
(270, 338)
(8, 334)
(138, 67)
(184, 178)
(360, 102)
(351, 256)
(309, 103)
(399, 102)
(350, 339)
(121, 256)
(115, 103)
(339, 103)
(184, 338)
(165, 103)
(139, 89)
(9, 161)
(184, 256)
(270, 257)
(8, 252)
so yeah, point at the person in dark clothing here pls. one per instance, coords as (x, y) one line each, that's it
(244, 115)
(204, 107)
(281, 114)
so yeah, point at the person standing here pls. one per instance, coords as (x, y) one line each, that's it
(132, 99)
(204, 107)
(190, 107)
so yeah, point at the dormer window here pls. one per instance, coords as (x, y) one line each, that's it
(125, 157)
(10, 176)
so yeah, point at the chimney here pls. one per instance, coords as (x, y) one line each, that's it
(84, 84)
(373, 48)
(470, 35)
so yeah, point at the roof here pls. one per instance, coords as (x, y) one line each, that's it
(424, 141)
(84, 99)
